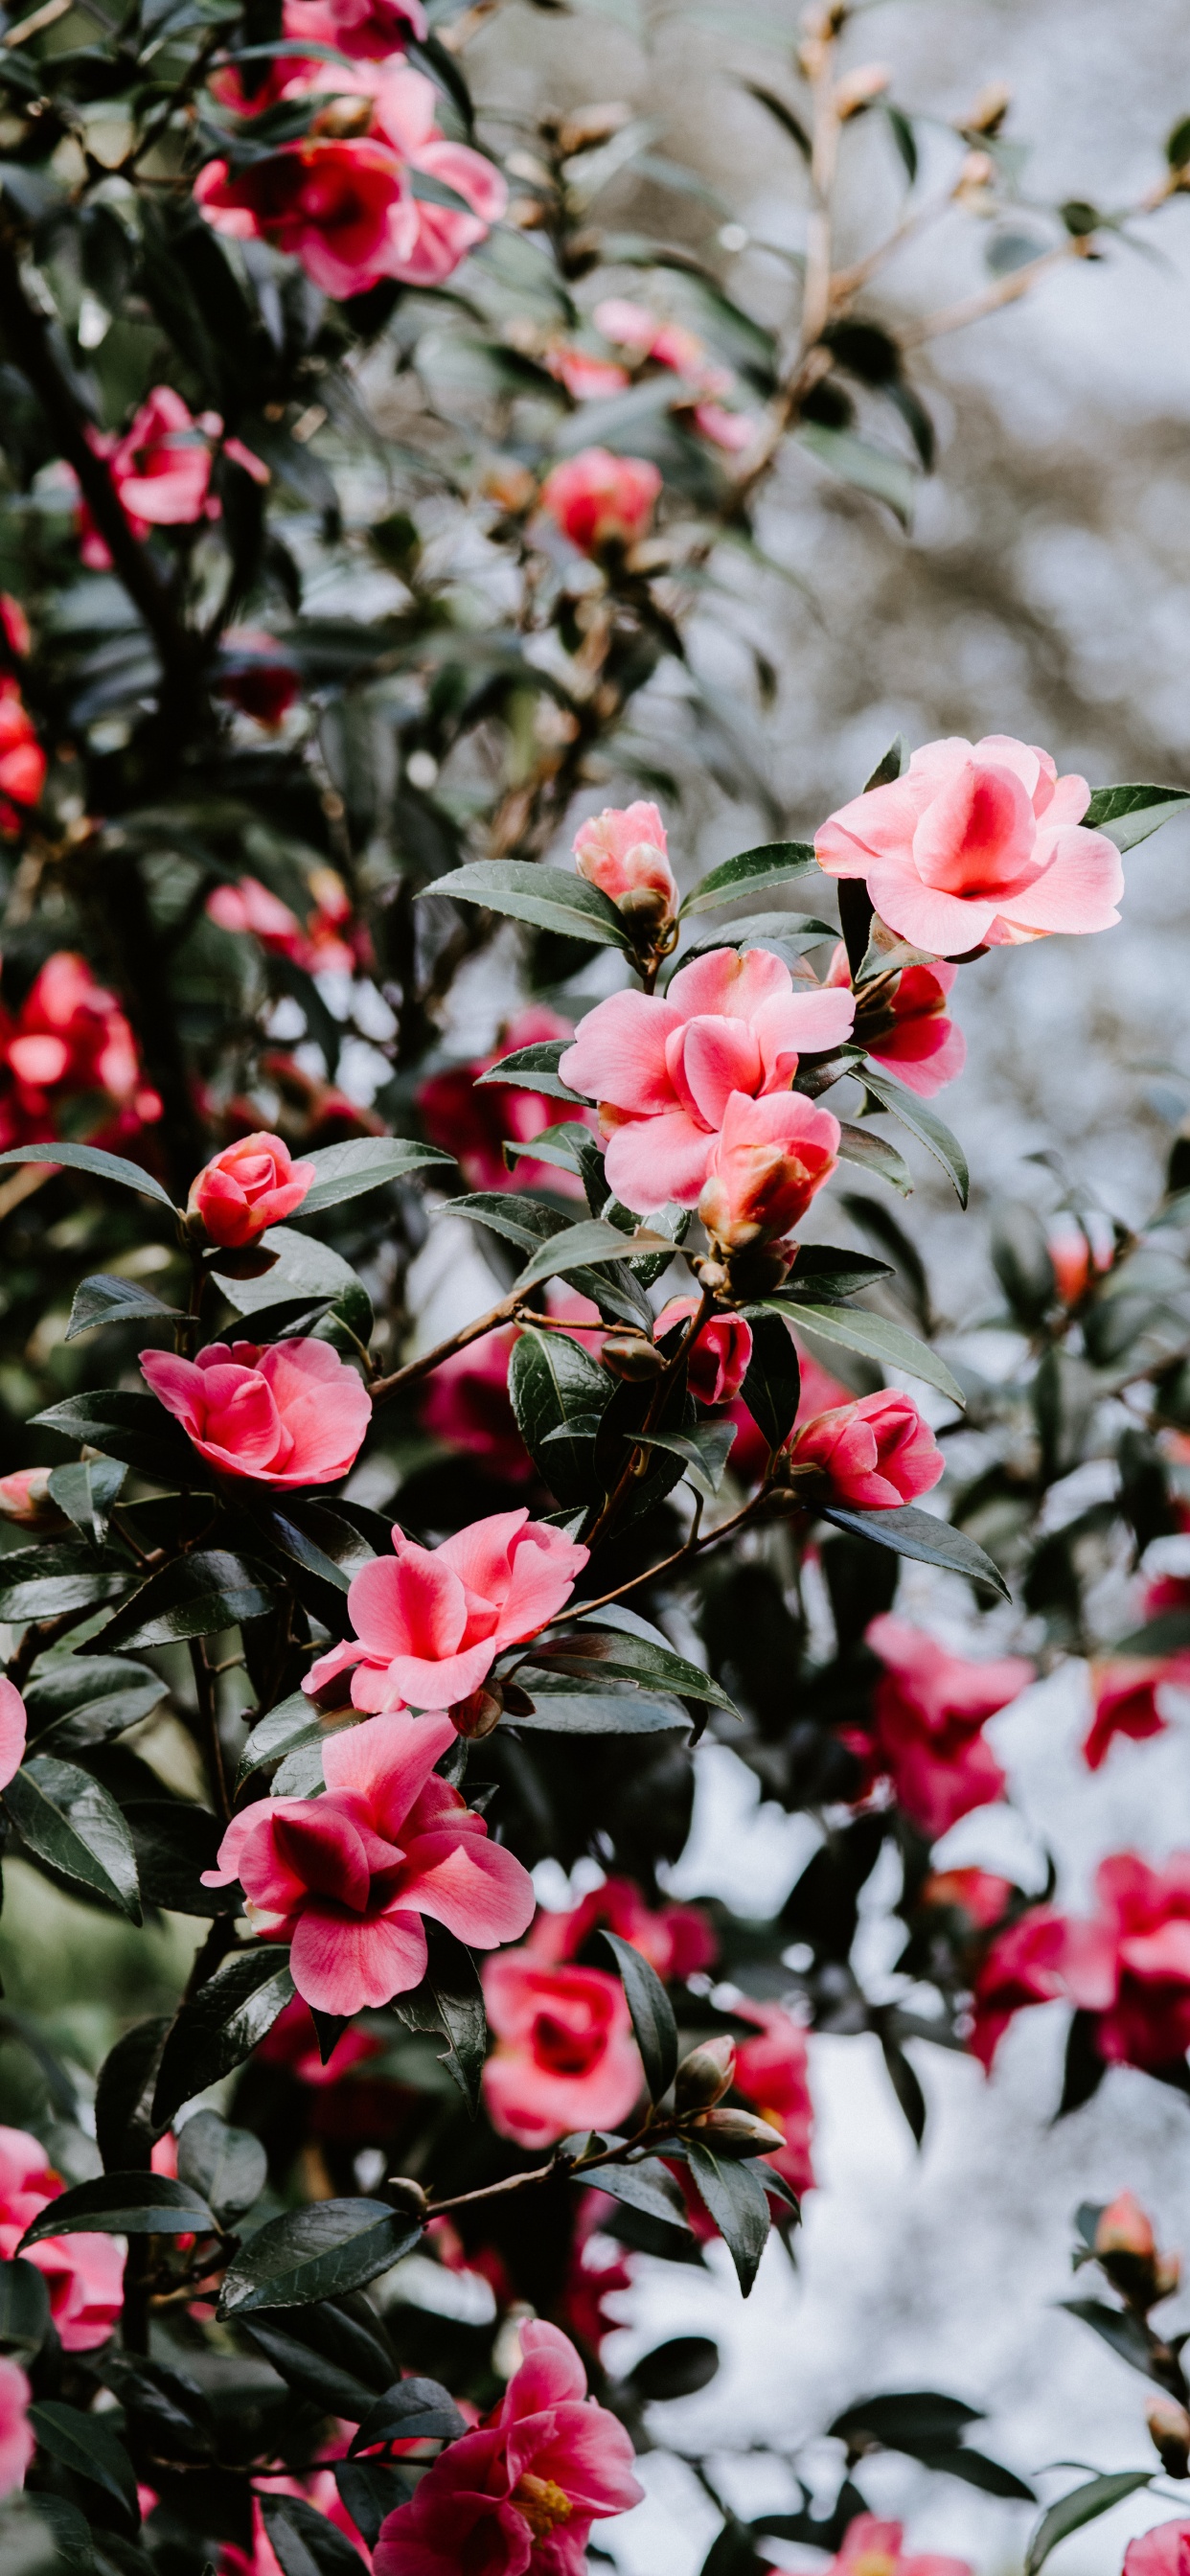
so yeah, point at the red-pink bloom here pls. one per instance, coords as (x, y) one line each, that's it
(366, 30)
(623, 851)
(17, 2439)
(1024, 1964)
(343, 208)
(565, 2057)
(1079, 1253)
(925, 1731)
(977, 846)
(68, 1039)
(922, 1045)
(12, 1730)
(22, 760)
(664, 1070)
(1163, 2551)
(1124, 1700)
(773, 2074)
(84, 2274)
(161, 469)
(518, 2496)
(980, 1894)
(293, 1414)
(876, 1452)
(430, 1621)
(251, 1185)
(587, 379)
(346, 1878)
(251, 908)
(472, 1122)
(256, 675)
(600, 500)
(14, 626)
(293, 2042)
(25, 1497)
(873, 2548)
(765, 1165)
(1130, 1965)
(677, 1940)
(718, 1363)
(670, 344)
(467, 1405)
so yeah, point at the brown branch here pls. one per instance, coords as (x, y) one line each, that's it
(992, 299)
(504, 1313)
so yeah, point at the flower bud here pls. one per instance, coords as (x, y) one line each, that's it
(705, 2075)
(738, 2132)
(1167, 2274)
(407, 2194)
(1125, 2228)
(987, 114)
(857, 89)
(632, 1356)
(1169, 2425)
(480, 1713)
(624, 852)
(767, 1161)
(25, 1497)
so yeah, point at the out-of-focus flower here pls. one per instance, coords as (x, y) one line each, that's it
(14, 626)
(17, 2439)
(718, 1362)
(1164, 2551)
(251, 908)
(634, 327)
(767, 1162)
(467, 1405)
(914, 1034)
(873, 2548)
(875, 1452)
(1130, 1965)
(1024, 1964)
(251, 1185)
(292, 1414)
(293, 2042)
(664, 1070)
(84, 2274)
(564, 2055)
(772, 2072)
(1124, 1699)
(592, 2278)
(255, 674)
(22, 760)
(521, 2492)
(347, 1878)
(161, 469)
(600, 500)
(473, 1123)
(586, 378)
(677, 1940)
(925, 1732)
(624, 852)
(977, 846)
(1080, 1253)
(69, 1039)
(366, 30)
(13, 1728)
(25, 1497)
(430, 1622)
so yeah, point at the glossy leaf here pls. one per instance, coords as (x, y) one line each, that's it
(126, 1424)
(704, 1452)
(652, 2015)
(868, 468)
(93, 1159)
(124, 2204)
(87, 2445)
(43, 1582)
(547, 897)
(85, 1491)
(304, 2543)
(584, 1246)
(412, 2409)
(533, 1068)
(597, 1653)
(316, 2253)
(772, 1382)
(69, 1821)
(228, 2166)
(1083, 2504)
(734, 2196)
(873, 1153)
(371, 2490)
(107, 1300)
(923, 1536)
(924, 1123)
(221, 2025)
(648, 2186)
(196, 1596)
(754, 872)
(1129, 814)
(24, 2309)
(557, 1389)
(124, 2128)
(363, 1163)
(594, 1712)
(453, 1980)
(878, 1340)
(786, 933)
(531, 1226)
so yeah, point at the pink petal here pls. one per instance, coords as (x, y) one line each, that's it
(176, 1383)
(925, 1055)
(708, 1060)
(545, 1568)
(947, 924)
(341, 1966)
(977, 833)
(473, 1886)
(470, 174)
(480, 1555)
(801, 1023)
(388, 1761)
(12, 1731)
(729, 982)
(619, 1055)
(324, 1852)
(411, 1605)
(1080, 887)
(651, 1161)
(879, 823)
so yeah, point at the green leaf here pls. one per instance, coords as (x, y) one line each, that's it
(291, 1727)
(828, 1270)
(563, 1145)
(1168, 1635)
(773, 1380)
(361, 1164)
(599, 1653)
(124, 2204)
(126, 1425)
(533, 1068)
(879, 1340)
(587, 1246)
(124, 2129)
(774, 863)
(648, 2186)
(531, 1225)
(786, 933)
(221, 2025)
(557, 1389)
(87, 2445)
(922, 1122)
(196, 1596)
(1083, 2504)
(24, 2309)
(70, 1574)
(315, 1537)
(175, 1842)
(867, 468)
(591, 1712)
(734, 2196)
(304, 2542)
(328, 2353)
(92, 1158)
(1120, 2328)
(85, 1491)
(85, 1698)
(411, 2410)
(652, 2015)
(453, 1980)
(904, 138)
(895, 2421)
(371, 2489)
(105, 1299)
(704, 1452)
(547, 897)
(921, 1535)
(72, 1824)
(316, 2253)
(228, 2166)
(874, 1154)
(1129, 814)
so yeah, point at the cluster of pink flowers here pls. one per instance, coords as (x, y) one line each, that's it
(1127, 1965)
(83, 2274)
(429, 1622)
(161, 469)
(474, 1124)
(320, 945)
(924, 1734)
(68, 1041)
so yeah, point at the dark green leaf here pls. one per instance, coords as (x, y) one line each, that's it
(196, 1596)
(130, 1426)
(924, 1123)
(734, 2196)
(753, 872)
(294, 1726)
(790, 123)
(371, 2490)
(652, 2015)
(675, 2369)
(453, 1980)
(86, 1491)
(867, 468)
(363, 1163)
(704, 1451)
(411, 2410)
(67, 1820)
(905, 139)
(24, 2309)
(42, 1582)
(554, 1384)
(1121, 2328)
(1129, 814)
(1083, 2069)
(772, 1382)
(882, 1227)
(588, 1245)
(920, 1535)
(533, 1068)
(619, 1657)
(304, 2542)
(917, 2415)
(328, 2354)
(733, 2553)
(124, 2204)
(873, 1153)
(648, 2186)
(879, 1340)
(69, 2532)
(92, 1158)
(903, 2078)
(221, 2025)
(547, 897)
(107, 1300)
(531, 1225)
(561, 1712)
(124, 2127)
(175, 1841)
(1083, 2504)
(1168, 1635)
(228, 2166)
(86, 2444)
(831, 1271)
(85, 1699)
(316, 2253)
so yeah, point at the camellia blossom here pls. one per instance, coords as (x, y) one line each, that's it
(928, 1711)
(161, 469)
(25, 1497)
(1163, 2551)
(600, 500)
(251, 1185)
(347, 1878)
(68, 1039)
(472, 1120)
(22, 760)
(429, 1622)
(17, 2438)
(255, 674)
(670, 344)
(564, 2055)
(664, 1069)
(13, 1729)
(83, 2274)
(1129, 1966)
(873, 2548)
(1024, 1964)
(772, 2072)
(14, 626)
(624, 852)
(1124, 1699)
(518, 2496)
(1080, 1252)
(292, 1414)
(920, 1043)
(717, 1364)
(764, 1167)
(677, 1940)
(876, 1452)
(977, 846)
(252, 908)
(366, 30)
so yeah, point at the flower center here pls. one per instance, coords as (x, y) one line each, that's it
(542, 2503)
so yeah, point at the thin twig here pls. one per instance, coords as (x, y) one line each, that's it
(504, 1313)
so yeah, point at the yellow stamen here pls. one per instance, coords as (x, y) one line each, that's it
(543, 2504)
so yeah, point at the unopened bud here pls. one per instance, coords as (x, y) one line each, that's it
(1167, 2274)
(586, 126)
(988, 111)
(857, 89)
(1125, 2228)
(407, 2194)
(25, 1497)
(644, 907)
(632, 1356)
(705, 2075)
(479, 1714)
(1169, 2425)
(738, 2132)
(757, 1269)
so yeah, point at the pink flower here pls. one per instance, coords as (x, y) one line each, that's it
(84, 2274)
(367, 30)
(718, 1364)
(623, 851)
(69, 1038)
(873, 2548)
(977, 847)
(347, 1878)
(670, 344)
(1025, 1964)
(663, 1070)
(467, 1405)
(22, 760)
(773, 2074)
(1130, 1966)
(14, 626)
(404, 118)
(17, 2439)
(677, 1940)
(1124, 1700)
(161, 469)
(1163, 2551)
(294, 1414)
(565, 2057)
(342, 208)
(928, 1710)
(586, 379)
(876, 1452)
(256, 675)
(430, 1622)
(765, 1165)
(25, 1497)
(1079, 1253)
(472, 1124)
(600, 500)
(12, 1730)
(914, 1035)
(251, 1185)
(518, 2496)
